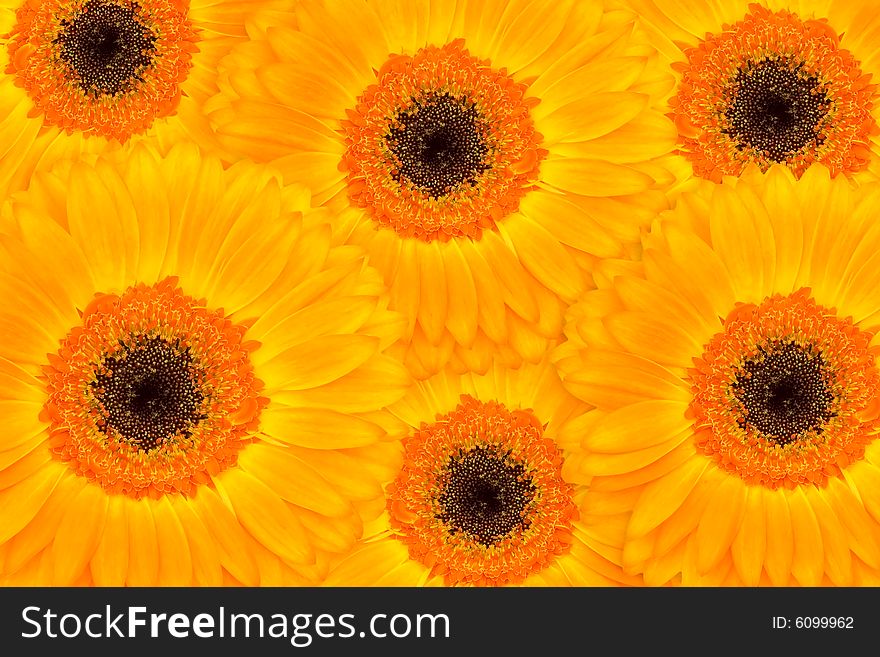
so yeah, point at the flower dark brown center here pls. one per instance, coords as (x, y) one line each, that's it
(438, 145)
(106, 47)
(486, 495)
(777, 109)
(150, 392)
(784, 391)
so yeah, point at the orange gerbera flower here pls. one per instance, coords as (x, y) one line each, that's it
(780, 81)
(489, 493)
(191, 378)
(736, 385)
(450, 141)
(99, 75)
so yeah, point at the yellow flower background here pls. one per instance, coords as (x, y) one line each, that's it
(439, 293)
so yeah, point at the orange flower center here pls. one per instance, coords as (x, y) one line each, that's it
(153, 394)
(773, 89)
(786, 393)
(481, 499)
(102, 67)
(441, 146)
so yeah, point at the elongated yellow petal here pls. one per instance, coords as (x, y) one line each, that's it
(109, 564)
(663, 497)
(720, 523)
(266, 517)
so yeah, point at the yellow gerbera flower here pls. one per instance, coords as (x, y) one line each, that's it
(90, 75)
(736, 385)
(189, 374)
(489, 491)
(482, 152)
(780, 81)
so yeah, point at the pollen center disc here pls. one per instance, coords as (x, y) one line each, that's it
(151, 392)
(107, 47)
(785, 392)
(777, 110)
(485, 495)
(439, 145)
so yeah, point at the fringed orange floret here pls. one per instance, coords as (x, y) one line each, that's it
(509, 165)
(229, 404)
(56, 88)
(515, 439)
(842, 95)
(850, 378)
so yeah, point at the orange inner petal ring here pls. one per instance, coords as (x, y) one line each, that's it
(773, 89)
(480, 499)
(102, 67)
(441, 146)
(786, 394)
(153, 393)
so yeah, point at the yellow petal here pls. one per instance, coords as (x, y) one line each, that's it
(570, 223)
(663, 497)
(462, 307)
(265, 516)
(317, 362)
(79, 534)
(109, 565)
(695, 269)
(143, 545)
(333, 316)
(491, 312)
(598, 463)
(544, 257)
(318, 428)
(522, 37)
(750, 544)
(595, 77)
(639, 294)
(867, 479)
(350, 475)
(683, 523)
(607, 111)
(655, 337)
(205, 560)
(240, 275)
(357, 392)
(95, 225)
(369, 563)
(863, 532)
(720, 523)
(744, 241)
(331, 534)
(21, 502)
(433, 298)
(517, 286)
(644, 137)
(228, 536)
(838, 558)
(807, 564)
(23, 461)
(639, 426)
(40, 532)
(175, 561)
(780, 538)
(594, 177)
(611, 380)
(293, 480)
